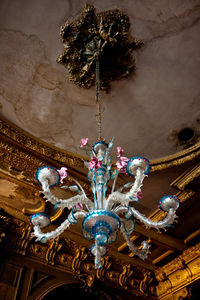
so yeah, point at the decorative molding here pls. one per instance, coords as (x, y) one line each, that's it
(146, 283)
(105, 266)
(26, 141)
(81, 255)
(186, 178)
(54, 247)
(4, 224)
(11, 134)
(123, 277)
(176, 159)
(24, 240)
(70, 257)
(179, 273)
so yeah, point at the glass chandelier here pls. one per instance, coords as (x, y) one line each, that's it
(107, 213)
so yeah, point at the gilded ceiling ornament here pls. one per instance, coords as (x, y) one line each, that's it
(104, 34)
(14, 134)
(170, 278)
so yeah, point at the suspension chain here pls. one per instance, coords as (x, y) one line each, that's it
(98, 100)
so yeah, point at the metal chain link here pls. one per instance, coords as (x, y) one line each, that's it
(98, 100)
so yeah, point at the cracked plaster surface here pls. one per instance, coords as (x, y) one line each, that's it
(141, 111)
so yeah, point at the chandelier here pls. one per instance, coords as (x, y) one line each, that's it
(112, 209)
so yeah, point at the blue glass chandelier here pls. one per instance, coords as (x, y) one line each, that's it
(105, 215)
(112, 209)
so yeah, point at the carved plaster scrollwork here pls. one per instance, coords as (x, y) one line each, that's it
(54, 247)
(171, 278)
(180, 272)
(105, 266)
(123, 277)
(81, 255)
(24, 240)
(4, 223)
(146, 283)
(12, 134)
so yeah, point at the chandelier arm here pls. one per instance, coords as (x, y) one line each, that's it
(44, 237)
(129, 196)
(117, 197)
(120, 209)
(47, 193)
(170, 218)
(137, 183)
(114, 182)
(80, 186)
(74, 200)
(140, 253)
(66, 202)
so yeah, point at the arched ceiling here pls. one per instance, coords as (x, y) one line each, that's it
(144, 112)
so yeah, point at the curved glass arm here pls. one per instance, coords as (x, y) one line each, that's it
(170, 218)
(124, 199)
(140, 253)
(44, 237)
(137, 183)
(66, 202)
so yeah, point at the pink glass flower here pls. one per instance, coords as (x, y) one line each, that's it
(77, 206)
(95, 163)
(84, 142)
(122, 163)
(63, 173)
(139, 195)
(119, 151)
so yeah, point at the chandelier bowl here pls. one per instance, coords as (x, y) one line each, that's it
(49, 174)
(40, 219)
(168, 202)
(101, 225)
(137, 162)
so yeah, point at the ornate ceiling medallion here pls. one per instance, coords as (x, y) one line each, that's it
(105, 34)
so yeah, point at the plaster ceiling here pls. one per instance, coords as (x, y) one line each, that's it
(144, 112)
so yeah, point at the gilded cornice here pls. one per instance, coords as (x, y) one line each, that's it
(70, 257)
(178, 273)
(186, 178)
(20, 138)
(25, 140)
(21, 155)
(176, 159)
